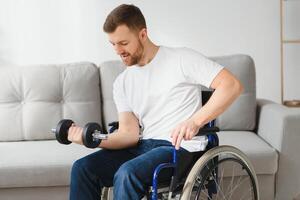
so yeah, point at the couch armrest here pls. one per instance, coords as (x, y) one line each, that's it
(280, 127)
(273, 120)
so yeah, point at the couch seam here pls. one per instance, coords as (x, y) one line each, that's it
(22, 105)
(61, 77)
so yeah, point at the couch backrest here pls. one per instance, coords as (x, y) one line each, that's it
(34, 98)
(240, 115)
(109, 71)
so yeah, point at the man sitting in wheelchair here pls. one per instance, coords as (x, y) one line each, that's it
(157, 96)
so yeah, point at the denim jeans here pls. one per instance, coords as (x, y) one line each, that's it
(129, 170)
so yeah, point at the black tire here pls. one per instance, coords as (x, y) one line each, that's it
(212, 174)
(87, 135)
(62, 129)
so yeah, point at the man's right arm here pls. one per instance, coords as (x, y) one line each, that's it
(127, 135)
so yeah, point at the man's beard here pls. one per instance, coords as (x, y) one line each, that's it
(133, 59)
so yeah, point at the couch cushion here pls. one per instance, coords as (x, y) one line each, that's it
(34, 98)
(263, 157)
(239, 116)
(38, 163)
(48, 163)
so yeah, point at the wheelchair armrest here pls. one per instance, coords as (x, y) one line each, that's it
(207, 130)
(113, 126)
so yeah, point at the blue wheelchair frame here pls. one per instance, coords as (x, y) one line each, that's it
(212, 141)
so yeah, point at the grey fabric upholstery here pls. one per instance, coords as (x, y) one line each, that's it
(108, 72)
(241, 114)
(263, 156)
(35, 193)
(280, 127)
(33, 99)
(37, 163)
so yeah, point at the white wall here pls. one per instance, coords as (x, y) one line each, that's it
(60, 31)
(292, 51)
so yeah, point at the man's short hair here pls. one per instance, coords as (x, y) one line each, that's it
(125, 14)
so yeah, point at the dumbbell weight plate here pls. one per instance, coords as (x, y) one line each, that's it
(62, 129)
(87, 136)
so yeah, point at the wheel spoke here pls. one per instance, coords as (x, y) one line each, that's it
(214, 178)
(222, 173)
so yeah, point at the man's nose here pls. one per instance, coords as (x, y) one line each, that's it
(118, 49)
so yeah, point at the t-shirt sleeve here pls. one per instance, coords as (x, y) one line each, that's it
(119, 96)
(198, 69)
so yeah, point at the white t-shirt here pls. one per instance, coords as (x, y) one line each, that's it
(166, 92)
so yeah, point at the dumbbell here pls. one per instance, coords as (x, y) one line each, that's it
(61, 131)
(92, 134)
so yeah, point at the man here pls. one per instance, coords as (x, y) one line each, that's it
(159, 91)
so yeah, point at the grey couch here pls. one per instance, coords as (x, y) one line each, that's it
(34, 98)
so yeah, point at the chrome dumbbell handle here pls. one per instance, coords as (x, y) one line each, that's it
(96, 134)
(99, 135)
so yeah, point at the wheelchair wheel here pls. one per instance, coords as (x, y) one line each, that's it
(223, 172)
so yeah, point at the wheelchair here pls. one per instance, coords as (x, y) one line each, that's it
(218, 173)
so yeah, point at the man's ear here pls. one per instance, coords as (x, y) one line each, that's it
(143, 34)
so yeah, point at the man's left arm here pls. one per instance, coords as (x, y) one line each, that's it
(227, 89)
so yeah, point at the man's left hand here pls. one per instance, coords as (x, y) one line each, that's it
(185, 130)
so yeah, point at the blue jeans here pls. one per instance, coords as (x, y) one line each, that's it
(128, 170)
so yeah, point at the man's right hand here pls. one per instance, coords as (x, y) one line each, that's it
(75, 134)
